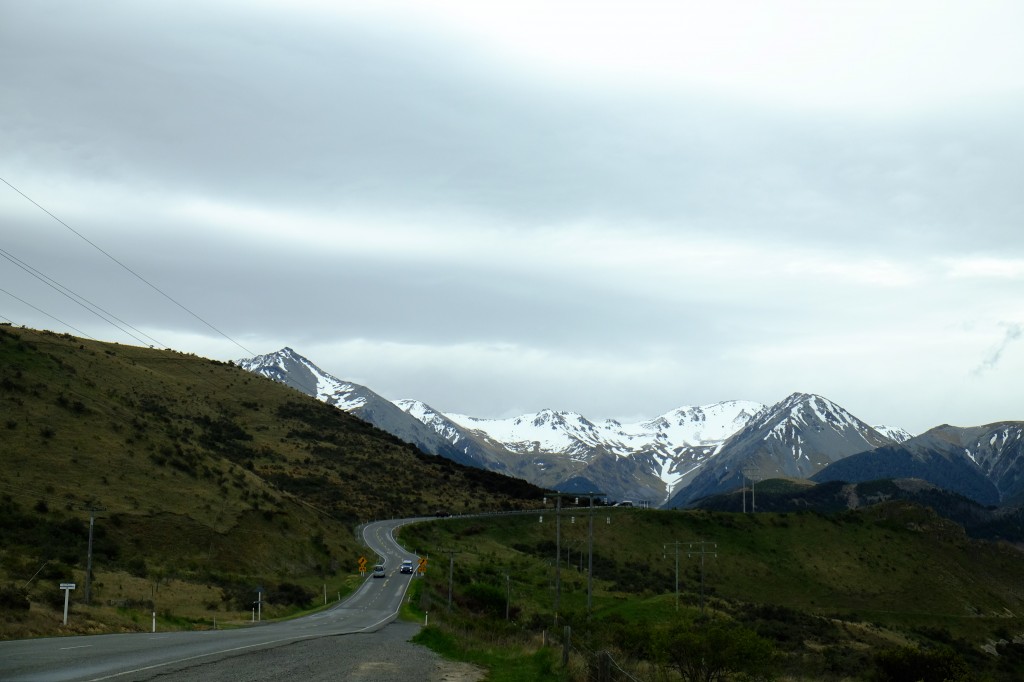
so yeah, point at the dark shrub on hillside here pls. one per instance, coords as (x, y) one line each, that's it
(789, 626)
(290, 594)
(13, 599)
(485, 599)
(715, 651)
(906, 664)
(136, 566)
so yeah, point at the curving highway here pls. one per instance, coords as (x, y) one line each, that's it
(139, 656)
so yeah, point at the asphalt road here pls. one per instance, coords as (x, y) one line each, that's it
(296, 647)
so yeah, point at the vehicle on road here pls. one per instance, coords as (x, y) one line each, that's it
(378, 571)
(406, 566)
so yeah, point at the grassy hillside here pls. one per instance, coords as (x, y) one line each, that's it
(833, 595)
(784, 495)
(199, 471)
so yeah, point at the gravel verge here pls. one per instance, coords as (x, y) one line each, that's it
(383, 656)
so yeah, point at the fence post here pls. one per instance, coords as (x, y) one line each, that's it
(604, 666)
(566, 644)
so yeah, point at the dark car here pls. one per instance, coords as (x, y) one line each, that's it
(406, 567)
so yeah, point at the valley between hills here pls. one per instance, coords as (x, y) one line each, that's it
(205, 480)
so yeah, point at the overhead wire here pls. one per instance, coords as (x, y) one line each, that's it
(40, 310)
(78, 299)
(126, 268)
(99, 311)
(69, 293)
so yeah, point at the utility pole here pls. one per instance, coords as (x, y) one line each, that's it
(751, 475)
(665, 548)
(590, 559)
(558, 546)
(558, 554)
(88, 563)
(702, 552)
(558, 550)
(451, 572)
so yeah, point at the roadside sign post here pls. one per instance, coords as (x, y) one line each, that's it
(67, 587)
(362, 565)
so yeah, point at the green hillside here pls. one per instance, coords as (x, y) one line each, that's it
(202, 474)
(833, 595)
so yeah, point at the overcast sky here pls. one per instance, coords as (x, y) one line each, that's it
(615, 208)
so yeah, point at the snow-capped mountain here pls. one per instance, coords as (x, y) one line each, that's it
(677, 457)
(894, 433)
(984, 463)
(645, 460)
(794, 438)
(575, 435)
(288, 367)
(666, 450)
(663, 452)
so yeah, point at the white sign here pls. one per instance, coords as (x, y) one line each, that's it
(67, 587)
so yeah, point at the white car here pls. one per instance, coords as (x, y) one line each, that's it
(378, 571)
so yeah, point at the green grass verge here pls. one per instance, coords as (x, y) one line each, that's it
(504, 663)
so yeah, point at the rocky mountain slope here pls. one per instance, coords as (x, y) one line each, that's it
(562, 450)
(794, 438)
(695, 449)
(983, 463)
(565, 450)
(288, 367)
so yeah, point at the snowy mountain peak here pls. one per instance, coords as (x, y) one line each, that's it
(705, 424)
(288, 367)
(693, 447)
(893, 433)
(806, 410)
(794, 438)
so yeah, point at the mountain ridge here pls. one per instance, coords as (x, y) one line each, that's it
(650, 460)
(984, 463)
(288, 367)
(793, 438)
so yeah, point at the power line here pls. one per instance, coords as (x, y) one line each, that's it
(56, 319)
(125, 267)
(78, 299)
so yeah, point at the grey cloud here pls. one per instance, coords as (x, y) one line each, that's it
(346, 118)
